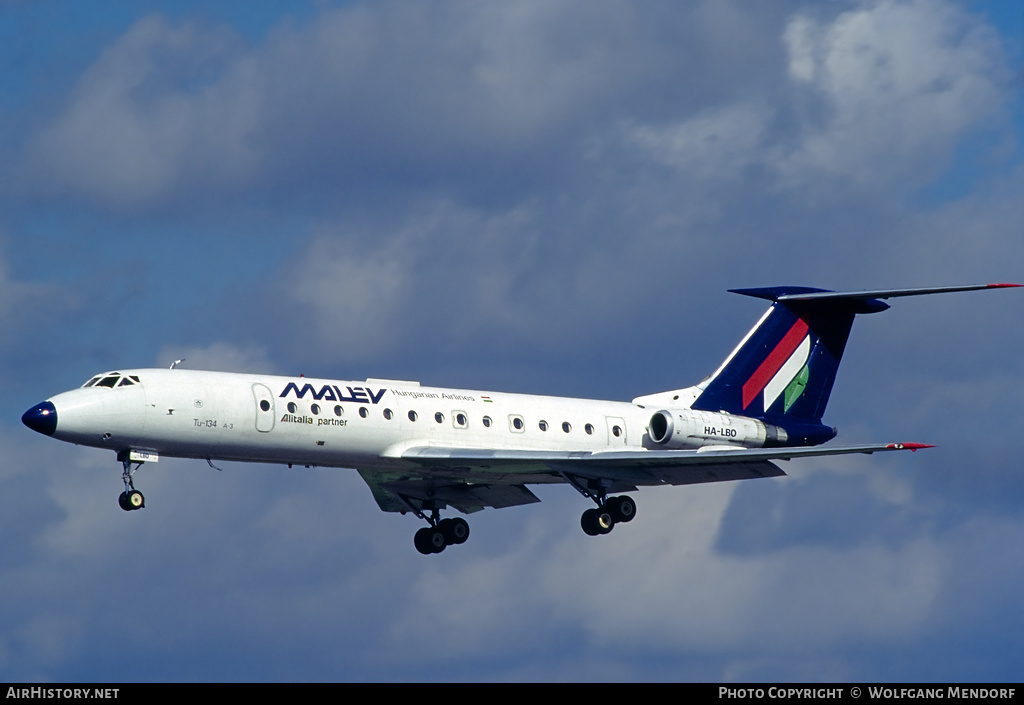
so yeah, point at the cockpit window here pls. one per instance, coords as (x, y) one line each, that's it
(112, 379)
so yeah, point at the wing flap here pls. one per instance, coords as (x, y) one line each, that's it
(720, 472)
(417, 492)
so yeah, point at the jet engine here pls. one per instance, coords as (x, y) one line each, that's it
(687, 428)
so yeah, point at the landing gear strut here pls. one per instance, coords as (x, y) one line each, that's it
(131, 498)
(440, 534)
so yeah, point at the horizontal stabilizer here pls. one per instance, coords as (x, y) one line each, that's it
(785, 294)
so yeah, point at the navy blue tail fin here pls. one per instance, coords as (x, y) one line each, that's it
(787, 364)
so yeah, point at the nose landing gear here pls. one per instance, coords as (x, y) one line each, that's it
(131, 498)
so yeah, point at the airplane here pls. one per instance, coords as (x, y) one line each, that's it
(426, 449)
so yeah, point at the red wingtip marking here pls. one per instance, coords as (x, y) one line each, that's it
(909, 446)
(1004, 286)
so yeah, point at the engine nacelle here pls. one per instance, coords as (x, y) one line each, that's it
(687, 428)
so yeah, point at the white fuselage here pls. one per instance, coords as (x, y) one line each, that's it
(260, 418)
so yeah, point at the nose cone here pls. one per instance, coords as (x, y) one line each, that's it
(41, 418)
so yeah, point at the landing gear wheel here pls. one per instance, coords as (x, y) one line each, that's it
(623, 508)
(135, 500)
(422, 541)
(429, 539)
(132, 499)
(455, 531)
(597, 521)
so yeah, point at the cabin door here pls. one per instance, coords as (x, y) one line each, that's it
(616, 431)
(264, 407)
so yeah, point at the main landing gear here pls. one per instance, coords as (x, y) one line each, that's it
(609, 512)
(131, 498)
(440, 534)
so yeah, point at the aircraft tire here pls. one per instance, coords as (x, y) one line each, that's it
(135, 500)
(605, 520)
(623, 508)
(422, 541)
(122, 501)
(430, 539)
(456, 530)
(437, 540)
(590, 523)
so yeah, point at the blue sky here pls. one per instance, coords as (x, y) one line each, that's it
(541, 197)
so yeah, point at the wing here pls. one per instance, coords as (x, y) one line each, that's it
(471, 479)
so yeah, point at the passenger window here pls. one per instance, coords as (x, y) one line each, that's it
(516, 423)
(338, 410)
(487, 421)
(589, 428)
(363, 413)
(566, 426)
(388, 414)
(460, 419)
(413, 416)
(439, 417)
(315, 408)
(265, 405)
(291, 407)
(616, 431)
(543, 425)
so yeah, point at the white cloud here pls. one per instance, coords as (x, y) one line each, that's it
(146, 116)
(354, 296)
(668, 589)
(898, 82)
(444, 276)
(711, 149)
(176, 110)
(878, 99)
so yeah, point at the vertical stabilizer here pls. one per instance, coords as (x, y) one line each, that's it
(787, 364)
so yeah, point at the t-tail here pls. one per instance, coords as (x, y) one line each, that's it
(784, 369)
